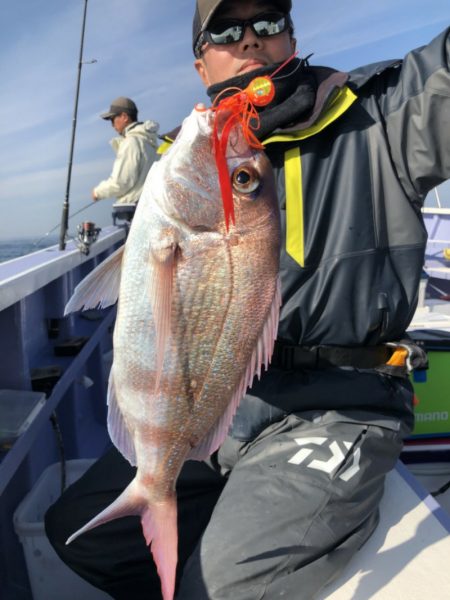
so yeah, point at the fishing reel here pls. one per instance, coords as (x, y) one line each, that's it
(87, 235)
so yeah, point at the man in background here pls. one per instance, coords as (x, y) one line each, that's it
(135, 151)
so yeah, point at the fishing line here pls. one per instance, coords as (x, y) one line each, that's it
(288, 60)
(303, 62)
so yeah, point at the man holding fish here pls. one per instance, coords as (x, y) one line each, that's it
(286, 481)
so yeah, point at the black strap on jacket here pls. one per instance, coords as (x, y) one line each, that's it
(291, 357)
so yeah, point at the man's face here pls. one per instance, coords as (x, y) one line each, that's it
(119, 122)
(220, 62)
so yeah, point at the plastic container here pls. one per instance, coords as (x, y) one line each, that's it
(18, 408)
(434, 476)
(50, 578)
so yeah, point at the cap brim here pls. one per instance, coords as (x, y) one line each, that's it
(107, 115)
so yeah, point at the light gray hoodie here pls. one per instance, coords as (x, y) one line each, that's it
(135, 153)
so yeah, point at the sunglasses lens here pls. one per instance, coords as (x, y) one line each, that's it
(231, 31)
(270, 25)
(225, 33)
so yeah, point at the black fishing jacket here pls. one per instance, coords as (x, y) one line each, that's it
(351, 181)
(350, 187)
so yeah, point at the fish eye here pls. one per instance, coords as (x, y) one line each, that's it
(245, 180)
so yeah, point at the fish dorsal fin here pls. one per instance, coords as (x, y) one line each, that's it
(261, 356)
(160, 292)
(100, 288)
(117, 429)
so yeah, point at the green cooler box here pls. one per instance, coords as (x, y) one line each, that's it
(432, 386)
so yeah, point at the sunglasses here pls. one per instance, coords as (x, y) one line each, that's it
(230, 31)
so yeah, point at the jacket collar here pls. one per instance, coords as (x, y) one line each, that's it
(329, 83)
(360, 76)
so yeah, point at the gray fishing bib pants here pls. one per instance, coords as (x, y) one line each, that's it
(300, 500)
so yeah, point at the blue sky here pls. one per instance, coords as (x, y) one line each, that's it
(143, 50)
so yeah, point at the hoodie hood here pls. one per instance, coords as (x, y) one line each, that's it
(147, 129)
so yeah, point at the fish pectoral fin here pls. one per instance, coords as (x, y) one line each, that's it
(160, 290)
(100, 288)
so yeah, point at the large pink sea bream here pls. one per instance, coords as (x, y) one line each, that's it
(198, 306)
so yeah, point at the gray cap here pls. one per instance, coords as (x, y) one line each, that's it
(120, 105)
(205, 9)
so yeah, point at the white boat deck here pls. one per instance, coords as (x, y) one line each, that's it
(407, 557)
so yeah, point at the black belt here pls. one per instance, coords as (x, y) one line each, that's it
(290, 357)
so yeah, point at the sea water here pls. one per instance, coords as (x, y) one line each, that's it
(19, 247)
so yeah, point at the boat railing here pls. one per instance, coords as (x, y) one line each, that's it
(38, 338)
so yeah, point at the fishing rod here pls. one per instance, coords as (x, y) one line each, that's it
(65, 212)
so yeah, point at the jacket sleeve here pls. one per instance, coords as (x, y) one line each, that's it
(416, 109)
(125, 172)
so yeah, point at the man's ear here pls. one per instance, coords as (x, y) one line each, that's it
(293, 44)
(201, 69)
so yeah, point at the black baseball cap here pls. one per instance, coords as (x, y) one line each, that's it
(120, 105)
(205, 9)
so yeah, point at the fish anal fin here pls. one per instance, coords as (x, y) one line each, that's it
(101, 287)
(117, 428)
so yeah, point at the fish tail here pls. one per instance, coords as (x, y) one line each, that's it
(159, 524)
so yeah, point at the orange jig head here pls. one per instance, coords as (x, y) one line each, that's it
(237, 110)
(260, 91)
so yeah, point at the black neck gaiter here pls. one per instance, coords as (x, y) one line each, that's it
(295, 94)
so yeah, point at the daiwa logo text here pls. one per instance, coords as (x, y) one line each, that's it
(337, 455)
